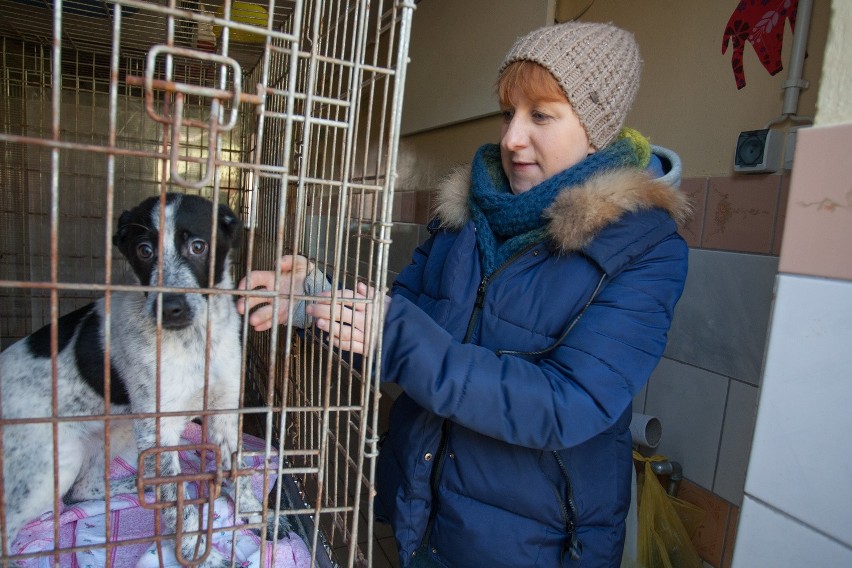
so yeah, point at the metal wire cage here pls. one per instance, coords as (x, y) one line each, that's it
(288, 111)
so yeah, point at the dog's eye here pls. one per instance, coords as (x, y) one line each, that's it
(144, 251)
(198, 247)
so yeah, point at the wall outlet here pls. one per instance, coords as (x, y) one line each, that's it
(758, 151)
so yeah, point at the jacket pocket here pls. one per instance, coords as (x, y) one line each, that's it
(403, 493)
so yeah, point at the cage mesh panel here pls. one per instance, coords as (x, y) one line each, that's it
(327, 404)
(306, 166)
(83, 108)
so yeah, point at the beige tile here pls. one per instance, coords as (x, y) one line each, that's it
(740, 214)
(696, 189)
(818, 228)
(423, 207)
(404, 206)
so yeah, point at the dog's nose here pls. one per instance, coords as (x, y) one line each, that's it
(176, 311)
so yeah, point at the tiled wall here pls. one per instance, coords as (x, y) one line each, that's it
(743, 213)
(705, 389)
(796, 507)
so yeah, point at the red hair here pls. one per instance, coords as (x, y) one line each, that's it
(529, 79)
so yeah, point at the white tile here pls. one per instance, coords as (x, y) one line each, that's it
(801, 459)
(690, 403)
(766, 537)
(737, 434)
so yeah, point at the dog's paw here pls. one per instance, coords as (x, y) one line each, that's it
(248, 503)
(215, 559)
(223, 433)
(193, 546)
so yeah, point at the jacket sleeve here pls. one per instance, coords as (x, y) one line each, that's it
(577, 391)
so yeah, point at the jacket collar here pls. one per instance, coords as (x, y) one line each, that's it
(577, 214)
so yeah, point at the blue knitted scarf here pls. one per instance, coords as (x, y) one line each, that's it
(505, 222)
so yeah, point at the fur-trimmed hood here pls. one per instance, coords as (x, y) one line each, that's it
(577, 214)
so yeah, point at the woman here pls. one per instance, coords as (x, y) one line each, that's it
(526, 324)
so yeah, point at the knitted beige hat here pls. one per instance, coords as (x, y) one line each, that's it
(597, 65)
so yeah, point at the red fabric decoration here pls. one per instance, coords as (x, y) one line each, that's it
(760, 22)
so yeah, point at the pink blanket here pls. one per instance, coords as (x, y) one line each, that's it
(83, 524)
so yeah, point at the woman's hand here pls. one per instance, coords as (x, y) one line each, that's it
(349, 324)
(294, 269)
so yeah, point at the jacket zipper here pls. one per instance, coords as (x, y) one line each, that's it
(574, 546)
(565, 333)
(433, 480)
(445, 427)
(483, 288)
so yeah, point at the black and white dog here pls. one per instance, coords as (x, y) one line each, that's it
(135, 375)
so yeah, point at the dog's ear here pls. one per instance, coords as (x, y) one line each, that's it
(230, 225)
(119, 239)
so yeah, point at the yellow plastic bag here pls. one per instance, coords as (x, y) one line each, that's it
(666, 524)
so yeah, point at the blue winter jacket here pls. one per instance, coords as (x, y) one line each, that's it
(510, 445)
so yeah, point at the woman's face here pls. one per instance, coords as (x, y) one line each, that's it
(539, 139)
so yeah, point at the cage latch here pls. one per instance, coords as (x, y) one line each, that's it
(208, 482)
(221, 119)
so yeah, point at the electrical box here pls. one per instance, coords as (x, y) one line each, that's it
(790, 148)
(758, 151)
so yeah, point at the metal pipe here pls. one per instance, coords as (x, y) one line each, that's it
(672, 469)
(794, 83)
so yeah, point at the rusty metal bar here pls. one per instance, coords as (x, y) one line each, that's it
(200, 90)
(170, 51)
(226, 22)
(307, 154)
(164, 414)
(126, 152)
(56, 100)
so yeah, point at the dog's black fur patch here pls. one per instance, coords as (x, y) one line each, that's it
(38, 342)
(88, 352)
(90, 360)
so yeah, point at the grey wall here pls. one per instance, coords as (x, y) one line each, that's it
(705, 390)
